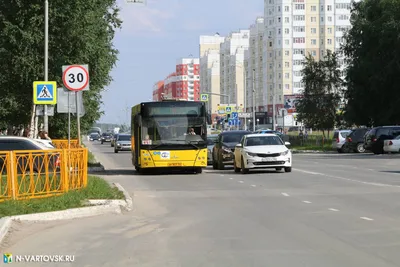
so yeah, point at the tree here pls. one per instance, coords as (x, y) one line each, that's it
(317, 108)
(80, 32)
(372, 76)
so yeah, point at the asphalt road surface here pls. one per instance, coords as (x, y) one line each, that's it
(332, 210)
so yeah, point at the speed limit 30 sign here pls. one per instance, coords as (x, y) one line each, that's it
(76, 77)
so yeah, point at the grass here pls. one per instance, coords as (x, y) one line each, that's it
(92, 162)
(97, 188)
(314, 133)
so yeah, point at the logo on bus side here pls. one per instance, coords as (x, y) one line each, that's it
(162, 154)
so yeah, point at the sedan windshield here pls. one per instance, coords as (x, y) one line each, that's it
(232, 138)
(264, 141)
(124, 138)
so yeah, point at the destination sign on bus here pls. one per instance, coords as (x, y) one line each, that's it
(156, 111)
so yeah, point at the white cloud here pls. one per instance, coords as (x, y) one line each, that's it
(148, 18)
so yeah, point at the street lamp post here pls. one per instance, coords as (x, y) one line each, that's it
(46, 58)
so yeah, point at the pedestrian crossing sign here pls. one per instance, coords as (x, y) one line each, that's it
(44, 93)
(204, 97)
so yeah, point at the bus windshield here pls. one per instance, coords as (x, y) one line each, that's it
(173, 130)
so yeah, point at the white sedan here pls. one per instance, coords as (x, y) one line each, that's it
(392, 145)
(262, 151)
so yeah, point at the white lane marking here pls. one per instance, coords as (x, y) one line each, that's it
(285, 194)
(366, 218)
(253, 185)
(241, 182)
(307, 202)
(333, 209)
(231, 178)
(345, 179)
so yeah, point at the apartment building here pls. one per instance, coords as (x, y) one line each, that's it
(232, 67)
(294, 29)
(184, 83)
(158, 90)
(254, 65)
(209, 69)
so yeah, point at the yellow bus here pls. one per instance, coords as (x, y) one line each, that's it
(169, 134)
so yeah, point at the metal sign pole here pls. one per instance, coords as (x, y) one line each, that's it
(69, 123)
(46, 59)
(78, 118)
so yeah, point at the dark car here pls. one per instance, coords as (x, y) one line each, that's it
(223, 151)
(106, 137)
(94, 137)
(355, 140)
(373, 140)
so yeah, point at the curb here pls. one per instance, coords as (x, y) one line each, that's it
(128, 198)
(103, 206)
(312, 152)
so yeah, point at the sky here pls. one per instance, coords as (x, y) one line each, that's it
(155, 35)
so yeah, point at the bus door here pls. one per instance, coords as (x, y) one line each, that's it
(137, 138)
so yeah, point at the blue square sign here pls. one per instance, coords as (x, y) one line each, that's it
(45, 93)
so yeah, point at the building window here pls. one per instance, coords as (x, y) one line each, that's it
(270, 44)
(299, 40)
(286, 19)
(287, 75)
(329, 30)
(286, 64)
(299, 18)
(314, 53)
(279, 8)
(297, 62)
(286, 41)
(286, 8)
(330, 18)
(313, 19)
(299, 28)
(329, 41)
(279, 19)
(298, 51)
(314, 41)
(329, 8)
(299, 6)
(279, 31)
(286, 52)
(313, 8)
(322, 19)
(287, 87)
(344, 17)
(322, 8)
(286, 31)
(313, 30)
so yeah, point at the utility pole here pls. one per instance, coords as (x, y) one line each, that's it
(46, 59)
(254, 100)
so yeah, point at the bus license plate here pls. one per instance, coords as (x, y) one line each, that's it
(174, 164)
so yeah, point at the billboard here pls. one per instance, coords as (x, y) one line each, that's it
(290, 103)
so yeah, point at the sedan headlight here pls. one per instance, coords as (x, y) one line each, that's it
(285, 153)
(118, 144)
(251, 154)
(226, 150)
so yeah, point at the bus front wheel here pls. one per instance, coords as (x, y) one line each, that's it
(199, 170)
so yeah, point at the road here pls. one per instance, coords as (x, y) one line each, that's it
(332, 210)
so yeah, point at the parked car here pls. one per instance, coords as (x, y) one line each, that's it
(223, 151)
(355, 140)
(392, 146)
(94, 137)
(211, 138)
(122, 143)
(16, 143)
(46, 143)
(374, 139)
(339, 138)
(262, 151)
(106, 137)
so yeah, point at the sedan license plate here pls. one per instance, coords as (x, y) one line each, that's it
(268, 159)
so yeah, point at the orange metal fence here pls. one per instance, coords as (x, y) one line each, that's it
(42, 173)
(63, 144)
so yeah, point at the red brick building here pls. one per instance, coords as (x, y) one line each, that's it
(184, 83)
